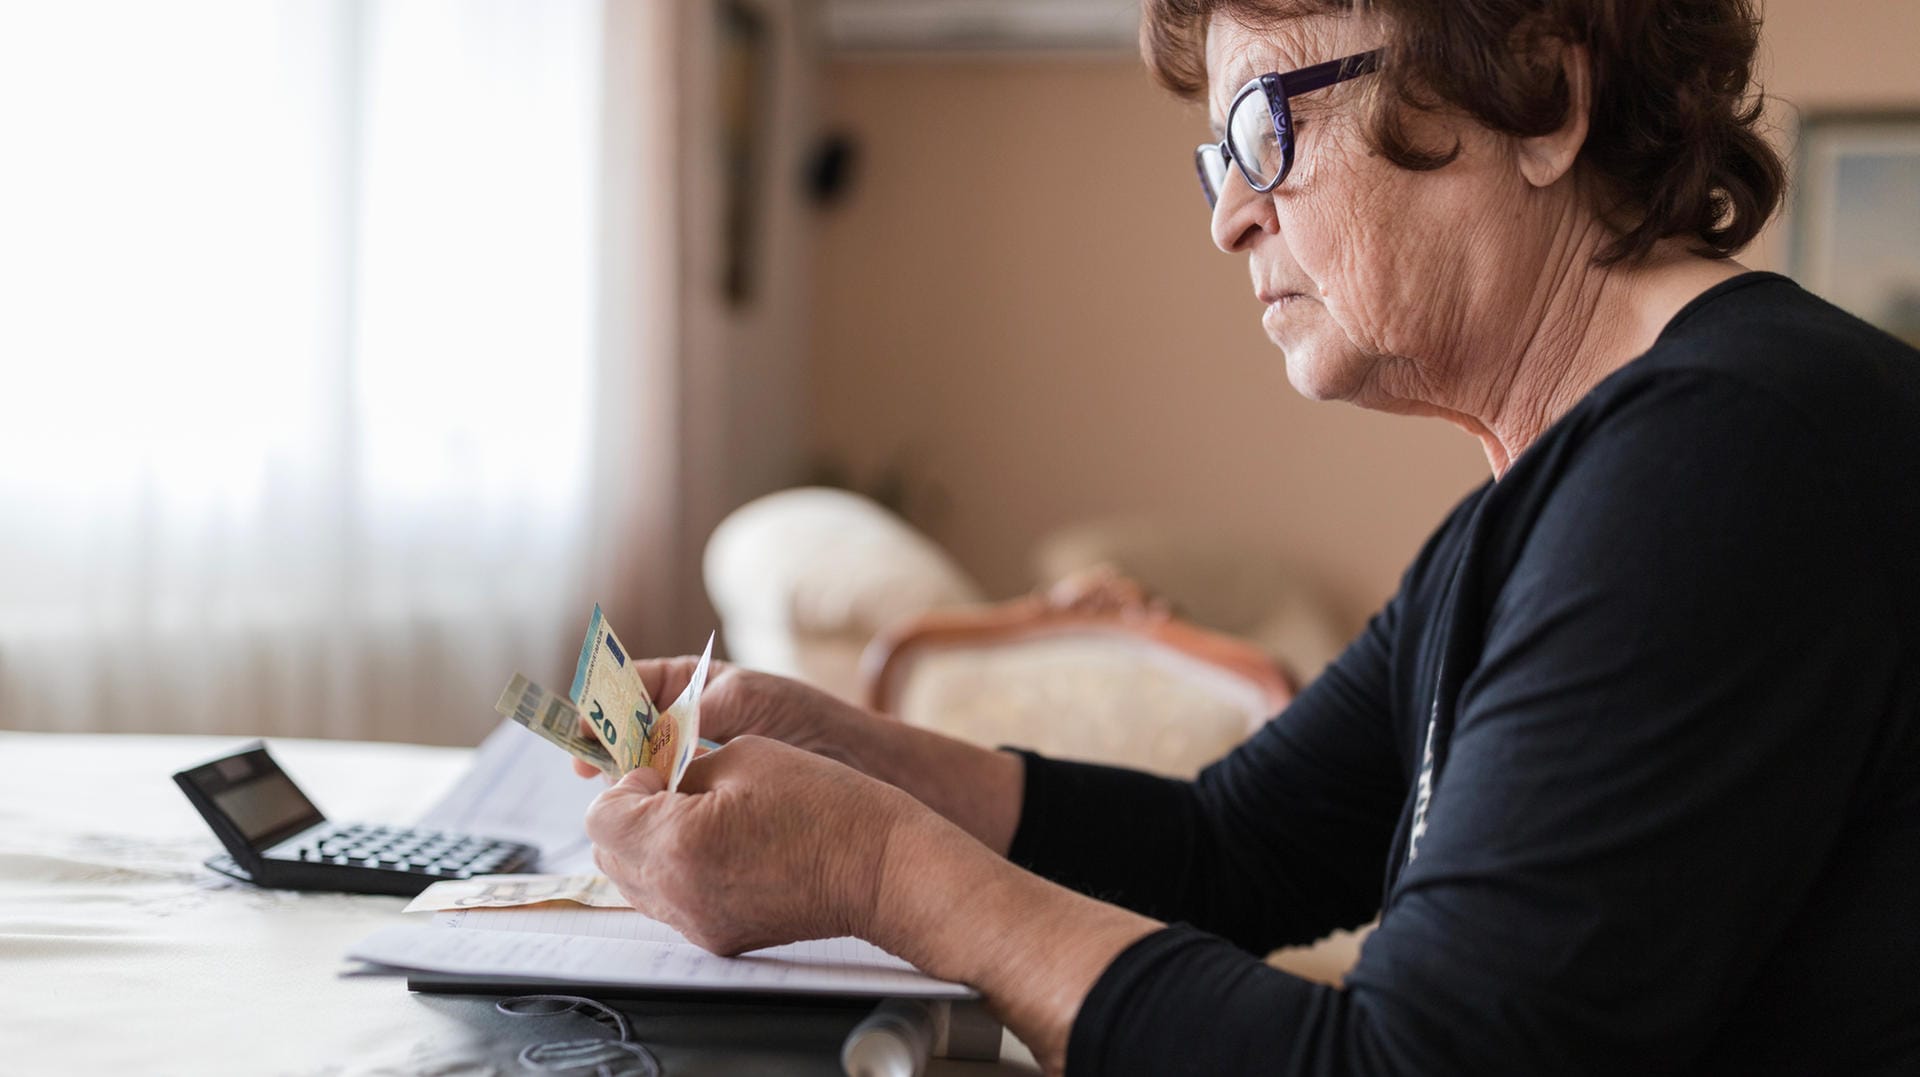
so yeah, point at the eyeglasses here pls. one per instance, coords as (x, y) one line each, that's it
(1263, 150)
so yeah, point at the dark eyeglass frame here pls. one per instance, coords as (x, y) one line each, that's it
(1279, 88)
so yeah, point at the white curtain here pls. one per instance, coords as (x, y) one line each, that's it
(306, 362)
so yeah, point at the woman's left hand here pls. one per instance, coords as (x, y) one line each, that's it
(767, 844)
(763, 844)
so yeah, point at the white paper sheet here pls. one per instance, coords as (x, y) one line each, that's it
(620, 947)
(522, 789)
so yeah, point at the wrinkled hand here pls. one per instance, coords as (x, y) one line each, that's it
(740, 702)
(763, 844)
(978, 789)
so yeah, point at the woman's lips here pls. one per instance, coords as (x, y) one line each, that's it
(1279, 304)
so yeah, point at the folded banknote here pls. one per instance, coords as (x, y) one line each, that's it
(553, 718)
(508, 891)
(608, 690)
(628, 731)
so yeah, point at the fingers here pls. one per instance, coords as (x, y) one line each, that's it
(666, 678)
(739, 761)
(701, 772)
(639, 782)
(620, 813)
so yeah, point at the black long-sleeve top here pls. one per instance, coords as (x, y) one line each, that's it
(1629, 767)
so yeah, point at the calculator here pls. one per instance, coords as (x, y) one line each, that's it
(276, 837)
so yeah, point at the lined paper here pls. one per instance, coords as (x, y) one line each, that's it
(645, 953)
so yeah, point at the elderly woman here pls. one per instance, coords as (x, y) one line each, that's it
(1628, 769)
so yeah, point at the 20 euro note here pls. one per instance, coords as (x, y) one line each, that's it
(608, 690)
(556, 720)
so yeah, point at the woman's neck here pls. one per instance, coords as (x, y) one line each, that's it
(1583, 323)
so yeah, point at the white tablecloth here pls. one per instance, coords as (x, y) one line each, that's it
(119, 953)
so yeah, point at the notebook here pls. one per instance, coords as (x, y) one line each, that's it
(621, 948)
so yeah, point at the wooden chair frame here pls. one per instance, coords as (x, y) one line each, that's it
(1097, 601)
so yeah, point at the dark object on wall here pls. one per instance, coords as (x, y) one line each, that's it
(744, 73)
(897, 484)
(831, 168)
(1856, 215)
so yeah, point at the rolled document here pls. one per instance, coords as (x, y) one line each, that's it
(894, 1041)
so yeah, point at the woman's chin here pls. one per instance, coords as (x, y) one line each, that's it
(1322, 364)
(1322, 370)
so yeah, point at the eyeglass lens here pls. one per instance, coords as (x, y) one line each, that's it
(1251, 137)
(1212, 166)
(1253, 142)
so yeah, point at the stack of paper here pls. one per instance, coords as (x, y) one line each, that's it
(574, 944)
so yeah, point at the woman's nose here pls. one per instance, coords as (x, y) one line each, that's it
(1240, 213)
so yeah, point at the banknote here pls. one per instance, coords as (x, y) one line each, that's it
(506, 891)
(554, 718)
(685, 716)
(608, 690)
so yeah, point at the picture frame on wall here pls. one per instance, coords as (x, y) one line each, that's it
(1856, 215)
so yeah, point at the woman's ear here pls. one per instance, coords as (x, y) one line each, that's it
(1546, 158)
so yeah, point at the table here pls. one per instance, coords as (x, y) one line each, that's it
(119, 953)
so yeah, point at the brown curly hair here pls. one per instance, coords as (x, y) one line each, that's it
(1673, 129)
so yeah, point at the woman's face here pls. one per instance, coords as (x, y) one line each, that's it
(1373, 277)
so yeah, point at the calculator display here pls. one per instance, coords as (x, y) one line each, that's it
(253, 794)
(264, 805)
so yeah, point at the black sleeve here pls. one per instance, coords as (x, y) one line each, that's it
(1678, 692)
(1278, 843)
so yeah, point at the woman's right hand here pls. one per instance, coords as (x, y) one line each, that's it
(977, 788)
(741, 702)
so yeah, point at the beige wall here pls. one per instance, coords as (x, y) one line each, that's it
(1834, 54)
(1020, 299)
(740, 383)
